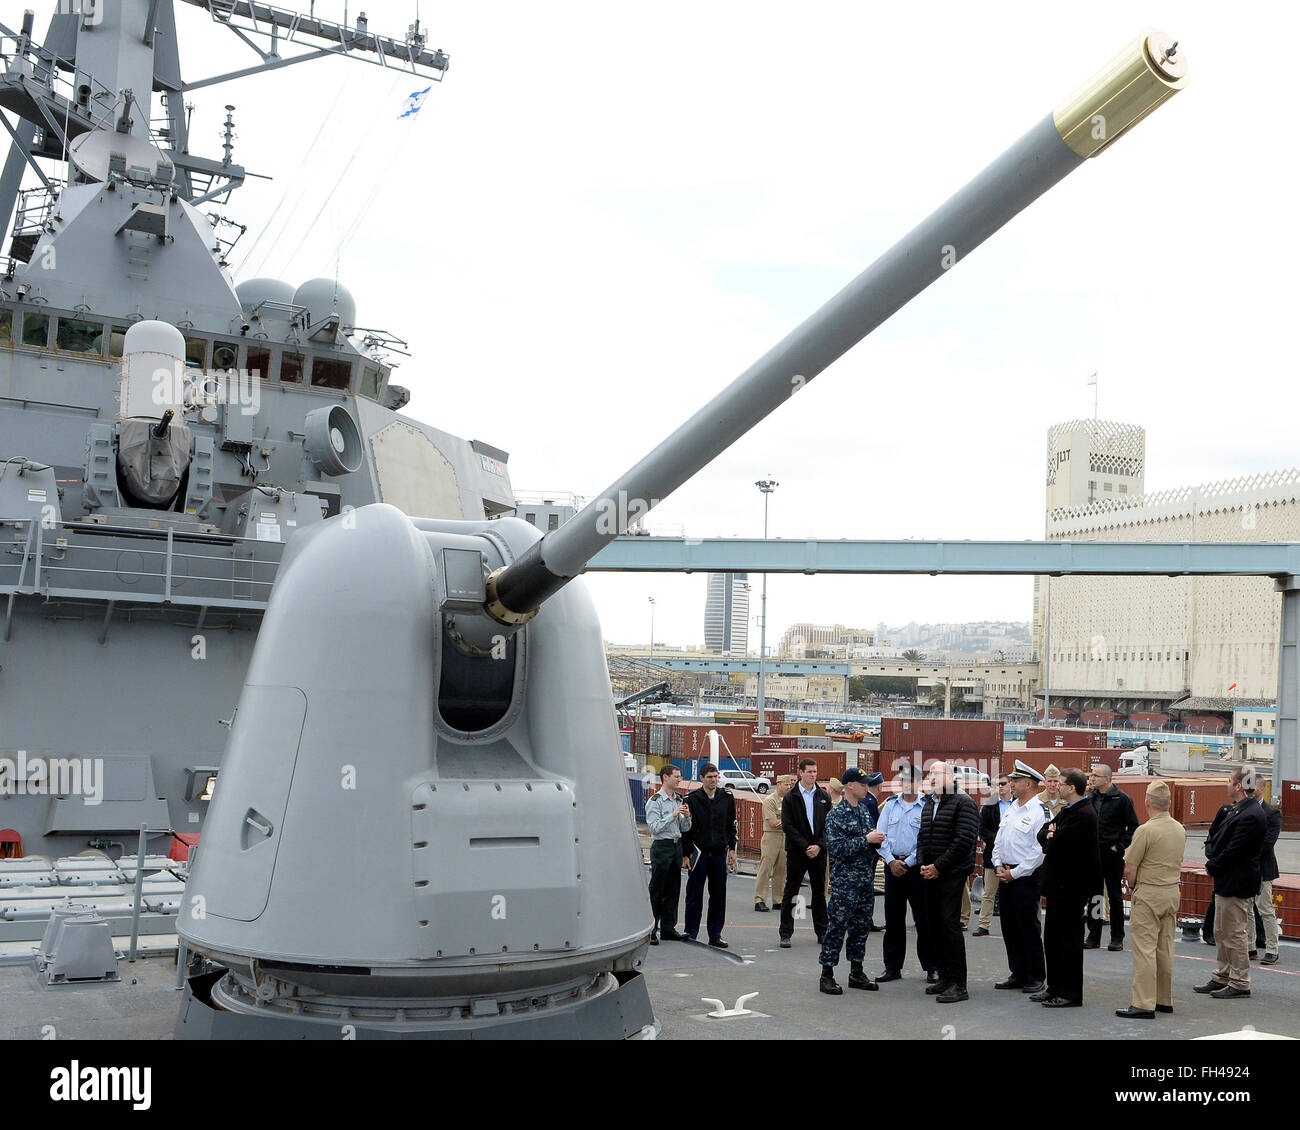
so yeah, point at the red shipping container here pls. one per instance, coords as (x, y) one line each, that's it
(773, 765)
(1039, 738)
(749, 823)
(1289, 799)
(1063, 759)
(940, 735)
(690, 740)
(828, 764)
(1196, 801)
(775, 741)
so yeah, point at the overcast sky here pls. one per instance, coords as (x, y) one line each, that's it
(607, 211)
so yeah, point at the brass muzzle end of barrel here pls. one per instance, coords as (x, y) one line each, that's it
(1150, 70)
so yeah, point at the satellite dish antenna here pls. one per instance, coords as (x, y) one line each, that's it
(99, 152)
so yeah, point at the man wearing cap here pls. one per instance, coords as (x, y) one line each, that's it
(1232, 857)
(850, 842)
(992, 813)
(1051, 798)
(712, 833)
(900, 821)
(1071, 872)
(1116, 822)
(1153, 866)
(771, 864)
(1017, 857)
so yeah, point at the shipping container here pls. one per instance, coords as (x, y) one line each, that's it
(641, 739)
(1063, 759)
(1194, 802)
(804, 729)
(690, 739)
(748, 716)
(773, 765)
(749, 824)
(625, 740)
(829, 764)
(776, 741)
(638, 791)
(1289, 797)
(655, 762)
(1039, 738)
(812, 741)
(941, 735)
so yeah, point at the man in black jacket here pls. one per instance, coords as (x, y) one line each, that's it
(1071, 873)
(945, 849)
(1232, 857)
(803, 817)
(1116, 822)
(713, 833)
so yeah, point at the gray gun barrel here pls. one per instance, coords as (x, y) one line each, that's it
(1149, 71)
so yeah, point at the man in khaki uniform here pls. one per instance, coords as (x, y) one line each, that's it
(1153, 866)
(1051, 796)
(771, 864)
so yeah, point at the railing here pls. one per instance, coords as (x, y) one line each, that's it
(128, 564)
(48, 69)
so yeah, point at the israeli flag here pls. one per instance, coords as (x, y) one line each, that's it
(1092, 380)
(414, 102)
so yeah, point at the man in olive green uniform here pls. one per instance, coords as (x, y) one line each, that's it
(1153, 866)
(771, 864)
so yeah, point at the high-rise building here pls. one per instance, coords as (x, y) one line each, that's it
(726, 614)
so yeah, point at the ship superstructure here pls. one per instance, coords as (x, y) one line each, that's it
(164, 432)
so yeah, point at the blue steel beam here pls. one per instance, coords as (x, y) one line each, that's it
(971, 558)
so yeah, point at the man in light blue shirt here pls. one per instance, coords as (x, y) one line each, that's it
(667, 818)
(900, 820)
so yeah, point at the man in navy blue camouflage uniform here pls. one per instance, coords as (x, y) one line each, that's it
(851, 841)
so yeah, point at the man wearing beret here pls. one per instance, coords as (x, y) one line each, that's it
(850, 843)
(1153, 867)
(1071, 872)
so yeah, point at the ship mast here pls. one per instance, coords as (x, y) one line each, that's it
(100, 63)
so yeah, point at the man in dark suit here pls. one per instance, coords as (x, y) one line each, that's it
(945, 849)
(1232, 857)
(712, 832)
(1071, 872)
(803, 817)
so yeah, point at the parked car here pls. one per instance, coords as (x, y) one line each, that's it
(968, 777)
(732, 779)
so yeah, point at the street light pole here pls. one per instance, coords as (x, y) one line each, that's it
(767, 486)
(652, 629)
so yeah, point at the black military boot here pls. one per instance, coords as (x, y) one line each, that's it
(828, 984)
(859, 980)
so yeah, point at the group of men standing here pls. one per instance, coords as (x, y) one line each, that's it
(1061, 853)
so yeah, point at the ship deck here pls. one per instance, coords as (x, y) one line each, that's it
(144, 1004)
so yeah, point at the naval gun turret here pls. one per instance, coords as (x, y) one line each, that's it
(419, 828)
